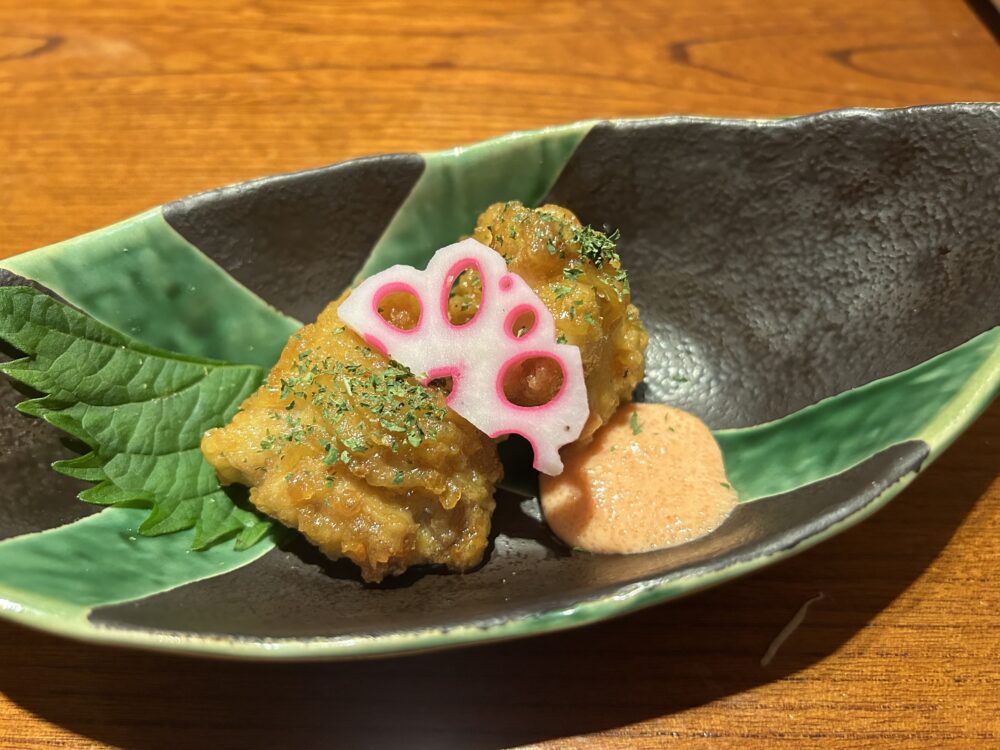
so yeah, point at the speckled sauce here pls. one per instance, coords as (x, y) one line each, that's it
(653, 477)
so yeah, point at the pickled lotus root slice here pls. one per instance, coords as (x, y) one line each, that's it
(510, 332)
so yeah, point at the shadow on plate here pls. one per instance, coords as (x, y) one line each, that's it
(656, 662)
(515, 517)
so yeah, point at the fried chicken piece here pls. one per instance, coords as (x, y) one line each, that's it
(345, 446)
(579, 277)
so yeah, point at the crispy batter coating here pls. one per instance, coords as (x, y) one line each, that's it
(345, 446)
(578, 276)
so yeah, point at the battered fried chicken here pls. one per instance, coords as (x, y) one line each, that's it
(345, 446)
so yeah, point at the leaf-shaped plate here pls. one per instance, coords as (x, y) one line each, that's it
(821, 290)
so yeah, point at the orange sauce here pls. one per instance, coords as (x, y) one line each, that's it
(648, 481)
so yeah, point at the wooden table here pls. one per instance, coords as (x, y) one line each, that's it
(107, 109)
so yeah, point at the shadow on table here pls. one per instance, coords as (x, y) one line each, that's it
(652, 663)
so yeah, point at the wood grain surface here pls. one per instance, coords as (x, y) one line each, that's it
(109, 108)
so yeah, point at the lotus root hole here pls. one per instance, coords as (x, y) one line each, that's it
(462, 295)
(520, 321)
(399, 305)
(532, 381)
(443, 379)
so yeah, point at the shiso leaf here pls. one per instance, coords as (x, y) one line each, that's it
(87, 467)
(141, 412)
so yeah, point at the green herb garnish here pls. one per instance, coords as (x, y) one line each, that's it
(115, 395)
(597, 247)
(355, 445)
(634, 422)
(395, 402)
(332, 454)
(561, 290)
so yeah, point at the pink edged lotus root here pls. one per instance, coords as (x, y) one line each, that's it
(478, 353)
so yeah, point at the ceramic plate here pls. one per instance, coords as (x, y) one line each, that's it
(821, 290)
